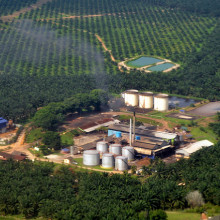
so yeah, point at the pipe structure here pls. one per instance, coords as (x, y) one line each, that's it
(134, 127)
(130, 131)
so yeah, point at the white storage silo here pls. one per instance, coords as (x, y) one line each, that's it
(115, 149)
(108, 161)
(131, 97)
(91, 158)
(102, 146)
(121, 163)
(161, 102)
(128, 152)
(146, 100)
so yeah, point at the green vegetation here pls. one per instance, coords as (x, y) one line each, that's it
(47, 58)
(59, 192)
(67, 139)
(50, 116)
(52, 140)
(216, 126)
(34, 135)
(8, 7)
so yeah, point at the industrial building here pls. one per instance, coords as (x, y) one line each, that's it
(192, 148)
(119, 129)
(3, 125)
(146, 100)
(14, 156)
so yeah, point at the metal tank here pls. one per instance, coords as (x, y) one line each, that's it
(121, 163)
(91, 158)
(115, 149)
(161, 102)
(102, 146)
(131, 97)
(128, 152)
(146, 100)
(108, 161)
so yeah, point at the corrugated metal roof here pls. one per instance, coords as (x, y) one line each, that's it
(2, 120)
(194, 147)
(145, 132)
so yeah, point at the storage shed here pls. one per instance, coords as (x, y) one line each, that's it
(191, 148)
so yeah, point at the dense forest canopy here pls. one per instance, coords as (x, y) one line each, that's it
(46, 58)
(58, 192)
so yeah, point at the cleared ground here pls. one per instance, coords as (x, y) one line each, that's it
(207, 110)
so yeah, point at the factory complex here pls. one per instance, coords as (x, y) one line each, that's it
(127, 145)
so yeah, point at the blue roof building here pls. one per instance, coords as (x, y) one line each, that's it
(3, 123)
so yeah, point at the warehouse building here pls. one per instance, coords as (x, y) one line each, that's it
(192, 148)
(156, 135)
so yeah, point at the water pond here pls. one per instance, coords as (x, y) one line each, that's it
(143, 61)
(161, 67)
(175, 101)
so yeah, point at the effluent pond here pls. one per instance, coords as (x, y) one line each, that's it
(143, 61)
(150, 64)
(175, 101)
(161, 67)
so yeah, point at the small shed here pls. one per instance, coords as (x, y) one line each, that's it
(3, 125)
(69, 160)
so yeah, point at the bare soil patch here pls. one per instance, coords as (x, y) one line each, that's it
(209, 109)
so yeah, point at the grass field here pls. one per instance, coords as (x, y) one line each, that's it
(182, 216)
(80, 164)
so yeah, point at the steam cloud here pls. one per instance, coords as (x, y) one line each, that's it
(39, 45)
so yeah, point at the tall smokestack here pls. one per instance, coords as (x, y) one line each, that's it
(134, 127)
(130, 131)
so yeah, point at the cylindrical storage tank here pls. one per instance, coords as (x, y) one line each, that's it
(102, 146)
(161, 102)
(131, 97)
(108, 161)
(121, 163)
(115, 149)
(138, 138)
(118, 134)
(146, 100)
(91, 158)
(128, 152)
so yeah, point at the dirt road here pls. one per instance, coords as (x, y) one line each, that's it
(105, 48)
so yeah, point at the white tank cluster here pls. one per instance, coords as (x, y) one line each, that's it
(146, 100)
(117, 156)
(91, 158)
